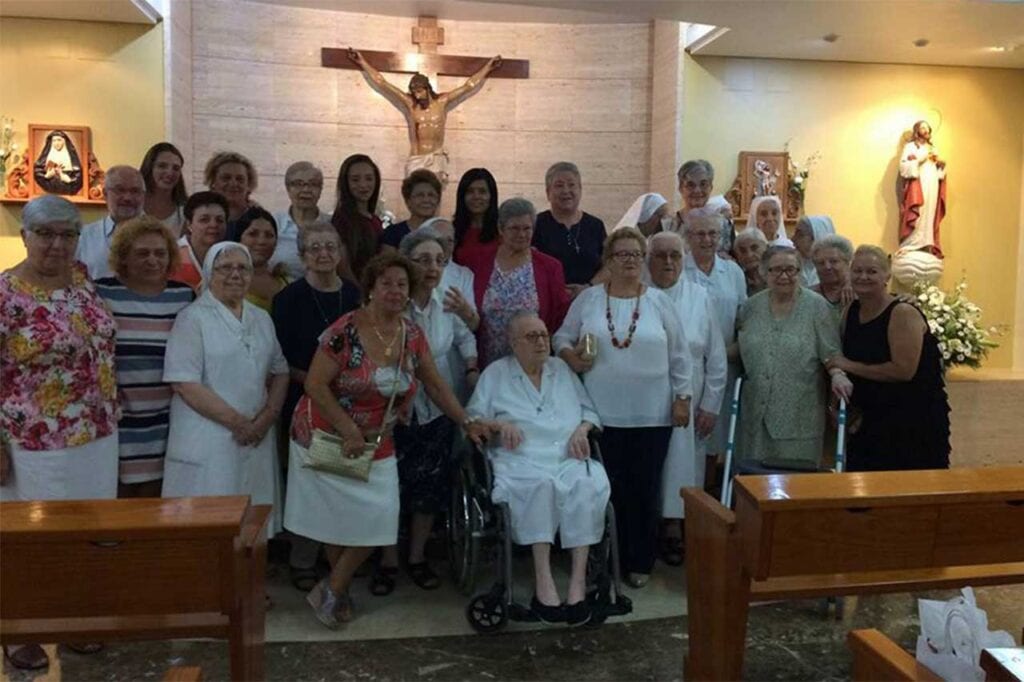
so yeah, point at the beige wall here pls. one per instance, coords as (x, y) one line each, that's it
(854, 114)
(259, 88)
(108, 77)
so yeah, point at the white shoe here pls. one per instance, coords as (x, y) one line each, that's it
(324, 603)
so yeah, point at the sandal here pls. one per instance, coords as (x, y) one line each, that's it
(382, 582)
(27, 657)
(304, 579)
(424, 577)
(672, 550)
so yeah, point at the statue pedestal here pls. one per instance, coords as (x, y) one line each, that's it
(910, 267)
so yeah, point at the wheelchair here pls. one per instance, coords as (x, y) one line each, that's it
(479, 529)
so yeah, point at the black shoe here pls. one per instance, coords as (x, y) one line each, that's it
(550, 615)
(578, 614)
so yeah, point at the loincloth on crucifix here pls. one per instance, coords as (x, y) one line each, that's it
(435, 162)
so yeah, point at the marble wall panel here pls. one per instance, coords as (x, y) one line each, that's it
(299, 33)
(303, 93)
(493, 107)
(494, 150)
(484, 39)
(234, 29)
(388, 146)
(603, 158)
(550, 49)
(545, 104)
(300, 141)
(605, 105)
(231, 89)
(249, 136)
(611, 51)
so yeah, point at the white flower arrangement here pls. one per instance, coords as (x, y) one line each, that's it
(8, 147)
(956, 322)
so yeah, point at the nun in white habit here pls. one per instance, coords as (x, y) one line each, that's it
(649, 214)
(766, 215)
(542, 466)
(229, 379)
(809, 229)
(685, 463)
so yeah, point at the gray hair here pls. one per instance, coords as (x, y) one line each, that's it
(317, 227)
(49, 209)
(695, 164)
(750, 234)
(415, 238)
(877, 252)
(560, 167)
(833, 241)
(300, 166)
(777, 250)
(119, 170)
(515, 207)
(703, 216)
(516, 317)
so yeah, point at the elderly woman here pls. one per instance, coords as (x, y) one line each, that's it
(786, 337)
(58, 394)
(766, 215)
(513, 278)
(365, 358)
(542, 466)
(233, 177)
(696, 178)
(304, 183)
(165, 186)
(568, 233)
(355, 215)
(145, 304)
(424, 445)
(301, 312)
(422, 194)
(899, 400)
(684, 465)
(832, 255)
(749, 247)
(206, 216)
(649, 214)
(230, 379)
(641, 383)
(476, 216)
(809, 229)
(256, 229)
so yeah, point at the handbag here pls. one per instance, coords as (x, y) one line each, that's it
(327, 450)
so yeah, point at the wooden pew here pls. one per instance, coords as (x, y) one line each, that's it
(814, 535)
(108, 570)
(877, 658)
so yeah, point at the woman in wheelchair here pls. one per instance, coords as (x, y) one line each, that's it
(542, 466)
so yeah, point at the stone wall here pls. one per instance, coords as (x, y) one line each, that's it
(258, 87)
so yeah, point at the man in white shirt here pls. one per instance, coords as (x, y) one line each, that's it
(125, 192)
(304, 183)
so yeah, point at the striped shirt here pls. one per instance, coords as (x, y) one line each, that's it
(143, 325)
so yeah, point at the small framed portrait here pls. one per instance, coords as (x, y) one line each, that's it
(762, 174)
(59, 158)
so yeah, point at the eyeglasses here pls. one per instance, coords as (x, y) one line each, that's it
(317, 247)
(55, 235)
(305, 184)
(674, 256)
(787, 270)
(231, 269)
(534, 337)
(425, 261)
(623, 256)
(701, 234)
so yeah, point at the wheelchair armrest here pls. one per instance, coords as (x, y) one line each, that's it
(595, 444)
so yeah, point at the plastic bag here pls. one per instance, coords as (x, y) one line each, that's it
(953, 634)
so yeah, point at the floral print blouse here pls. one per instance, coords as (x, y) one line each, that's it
(57, 379)
(507, 293)
(361, 387)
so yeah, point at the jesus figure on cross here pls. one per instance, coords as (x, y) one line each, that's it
(425, 111)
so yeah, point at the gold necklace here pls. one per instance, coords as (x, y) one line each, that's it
(388, 345)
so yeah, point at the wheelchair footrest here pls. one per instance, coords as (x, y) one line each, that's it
(521, 614)
(619, 607)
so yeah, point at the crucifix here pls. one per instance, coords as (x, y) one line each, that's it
(425, 111)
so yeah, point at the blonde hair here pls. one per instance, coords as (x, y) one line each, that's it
(621, 234)
(221, 158)
(129, 231)
(871, 250)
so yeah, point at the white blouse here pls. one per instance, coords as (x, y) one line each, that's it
(726, 286)
(460, 277)
(445, 332)
(634, 386)
(546, 417)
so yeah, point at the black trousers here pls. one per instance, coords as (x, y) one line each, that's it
(634, 458)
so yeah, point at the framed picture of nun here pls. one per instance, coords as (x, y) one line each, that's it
(59, 157)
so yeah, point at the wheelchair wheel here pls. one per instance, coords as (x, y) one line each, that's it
(486, 613)
(464, 526)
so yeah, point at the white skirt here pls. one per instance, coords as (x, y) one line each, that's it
(342, 511)
(84, 472)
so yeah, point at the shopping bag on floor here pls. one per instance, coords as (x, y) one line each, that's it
(953, 633)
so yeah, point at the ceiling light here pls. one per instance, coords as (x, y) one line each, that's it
(830, 38)
(921, 42)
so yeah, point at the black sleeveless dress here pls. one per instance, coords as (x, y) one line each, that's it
(905, 425)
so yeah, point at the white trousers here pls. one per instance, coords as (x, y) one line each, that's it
(568, 498)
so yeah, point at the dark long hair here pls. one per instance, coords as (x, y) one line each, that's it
(462, 218)
(347, 202)
(178, 193)
(356, 231)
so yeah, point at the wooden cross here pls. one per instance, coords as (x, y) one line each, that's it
(426, 35)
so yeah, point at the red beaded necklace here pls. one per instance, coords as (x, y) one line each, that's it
(632, 322)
